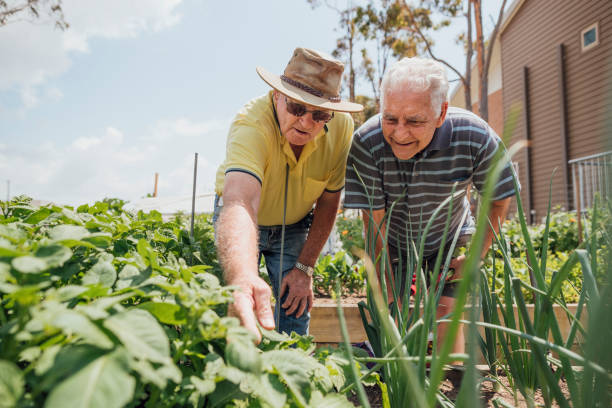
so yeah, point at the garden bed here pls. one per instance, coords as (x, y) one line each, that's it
(325, 326)
(452, 383)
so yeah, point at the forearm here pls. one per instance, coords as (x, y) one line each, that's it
(497, 215)
(323, 221)
(237, 236)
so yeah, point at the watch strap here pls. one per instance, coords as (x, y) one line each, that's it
(308, 270)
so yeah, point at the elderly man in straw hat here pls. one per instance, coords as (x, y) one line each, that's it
(286, 153)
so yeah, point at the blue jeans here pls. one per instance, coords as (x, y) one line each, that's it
(270, 248)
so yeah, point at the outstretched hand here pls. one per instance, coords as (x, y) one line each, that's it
(456, 264)
(300, 296)
(252, 304)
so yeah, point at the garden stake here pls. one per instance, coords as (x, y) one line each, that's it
(195, 174)
(280, 268)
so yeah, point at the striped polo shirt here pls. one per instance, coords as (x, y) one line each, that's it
(461, 151)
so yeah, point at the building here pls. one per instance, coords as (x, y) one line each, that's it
(556, 65)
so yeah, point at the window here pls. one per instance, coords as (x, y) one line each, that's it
(589, 37)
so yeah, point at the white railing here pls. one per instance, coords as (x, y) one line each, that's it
(591, 175)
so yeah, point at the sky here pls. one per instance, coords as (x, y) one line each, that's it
(134, 88)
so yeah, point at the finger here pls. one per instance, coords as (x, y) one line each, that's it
(242, 308)
(263, 308)
(310, 302)
(284, 286)
(289, 301)
(303, 304)
(294, 305)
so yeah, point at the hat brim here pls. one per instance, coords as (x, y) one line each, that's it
(300, 95)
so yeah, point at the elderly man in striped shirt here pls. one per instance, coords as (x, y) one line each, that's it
(412, 154)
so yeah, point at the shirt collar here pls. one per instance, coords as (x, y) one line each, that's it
(441, 138)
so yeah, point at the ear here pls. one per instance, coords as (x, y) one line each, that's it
(442, 116)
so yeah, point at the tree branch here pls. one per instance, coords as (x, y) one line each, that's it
(416, 29)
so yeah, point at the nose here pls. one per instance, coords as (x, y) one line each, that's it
(306, 120)
(402, 133)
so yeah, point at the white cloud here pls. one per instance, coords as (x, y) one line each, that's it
(112, 163)
(33, 53)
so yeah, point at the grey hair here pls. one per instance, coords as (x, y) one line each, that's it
(419, 75)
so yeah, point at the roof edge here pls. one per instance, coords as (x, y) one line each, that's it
(512, 10)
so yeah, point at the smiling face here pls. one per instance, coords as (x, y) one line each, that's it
(409, 121)
(298, 130)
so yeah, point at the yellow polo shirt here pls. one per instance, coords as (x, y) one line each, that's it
(256, 146)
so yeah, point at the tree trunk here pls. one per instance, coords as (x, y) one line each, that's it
(351, 33)
(480, 55)
(467, 83)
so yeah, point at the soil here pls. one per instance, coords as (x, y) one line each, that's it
(451, 385)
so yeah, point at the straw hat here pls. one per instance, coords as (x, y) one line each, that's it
(313, 78)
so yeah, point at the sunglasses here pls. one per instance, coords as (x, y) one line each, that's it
(297, 109)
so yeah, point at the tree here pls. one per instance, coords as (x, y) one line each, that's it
(345, 45)
(29, 10)
(381, 26)
(484, 52)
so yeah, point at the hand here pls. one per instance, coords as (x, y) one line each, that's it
(457, 265)
(300, 294)
(251, 302)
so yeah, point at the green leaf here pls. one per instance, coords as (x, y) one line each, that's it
(54, 254)
(102, 273)
(68, 232)
(294, 369)
(45, 257)
(13, 233)
(329, 400)
(131, 276)
(70, 292)
(243, 355)
(74, 322)
(158, 376)
(203, 386)
(268, 388)
(29, 264)
(167, 313)
(99, 239)
(141, 334)
(72, 216)
(8, 252)
(11, 384)
(38, 216)
(104, 383)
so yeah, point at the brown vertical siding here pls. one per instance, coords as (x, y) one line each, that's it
(532, 39)
(496, 111)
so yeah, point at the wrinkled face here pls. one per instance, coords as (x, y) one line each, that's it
(409, 121)
(298, 130)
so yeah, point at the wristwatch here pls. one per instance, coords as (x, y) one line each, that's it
(308, 270)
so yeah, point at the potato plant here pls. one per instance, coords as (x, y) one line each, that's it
(103, 308)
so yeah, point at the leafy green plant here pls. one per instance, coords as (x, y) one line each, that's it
(343, 268)
(350, 231)
(101, 301)
(524, 339)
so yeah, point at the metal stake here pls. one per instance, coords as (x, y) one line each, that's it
(195, 176)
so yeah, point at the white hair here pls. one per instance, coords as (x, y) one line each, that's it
(419, 75)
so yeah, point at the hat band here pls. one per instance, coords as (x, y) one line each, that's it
(309, 89)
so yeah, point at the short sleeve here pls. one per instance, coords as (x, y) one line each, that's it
(246, 150)
(484, 162)
(336, 181)
(363, 188)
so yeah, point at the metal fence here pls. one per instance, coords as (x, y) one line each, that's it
(591, 175)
